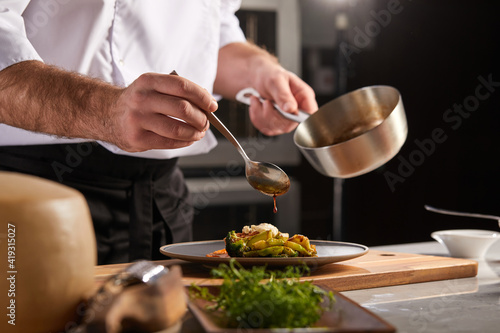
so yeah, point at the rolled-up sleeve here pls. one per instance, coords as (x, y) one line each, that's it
(14, 43)
(230, 26)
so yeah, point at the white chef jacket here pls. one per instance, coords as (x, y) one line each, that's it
(117, 41)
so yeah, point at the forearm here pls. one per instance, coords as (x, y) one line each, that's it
(42, 98)
(239, 66)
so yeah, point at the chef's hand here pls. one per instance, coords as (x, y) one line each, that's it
(284, 88)
(159, 111)
(242, 65)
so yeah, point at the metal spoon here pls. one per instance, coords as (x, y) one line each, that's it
(451, 212)
(264, 177)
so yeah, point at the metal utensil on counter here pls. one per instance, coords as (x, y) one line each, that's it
(351, 135)
(143, 297)
(264, 177)
(451, 212)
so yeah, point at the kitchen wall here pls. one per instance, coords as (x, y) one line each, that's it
(443, 57)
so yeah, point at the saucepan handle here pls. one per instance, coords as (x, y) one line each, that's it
(244, 95)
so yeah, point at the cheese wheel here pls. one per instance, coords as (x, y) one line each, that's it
(47, 254)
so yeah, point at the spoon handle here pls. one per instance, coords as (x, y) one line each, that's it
(212, 118)
(451, 212)
(224, 131)
(243, 96)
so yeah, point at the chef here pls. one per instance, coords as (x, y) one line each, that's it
(87, 99)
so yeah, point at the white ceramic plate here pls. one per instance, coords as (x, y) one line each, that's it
(328, 252)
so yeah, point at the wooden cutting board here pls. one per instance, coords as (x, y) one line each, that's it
(375, 269)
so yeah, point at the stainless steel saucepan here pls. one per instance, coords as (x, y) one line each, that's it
(351, 135)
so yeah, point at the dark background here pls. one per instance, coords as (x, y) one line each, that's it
(433, 52)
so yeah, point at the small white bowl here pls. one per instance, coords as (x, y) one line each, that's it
(466, 243)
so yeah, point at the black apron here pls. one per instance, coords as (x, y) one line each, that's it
(136, 204)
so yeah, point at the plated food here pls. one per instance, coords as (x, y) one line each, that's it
(265, 240)
(196, 252)
(277, 247)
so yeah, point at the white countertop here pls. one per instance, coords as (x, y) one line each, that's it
(459, 305)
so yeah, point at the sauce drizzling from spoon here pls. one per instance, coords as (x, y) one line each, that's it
(265, 177)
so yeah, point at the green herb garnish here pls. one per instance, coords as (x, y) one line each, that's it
(280, 301)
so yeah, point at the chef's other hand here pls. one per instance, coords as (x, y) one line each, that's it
(159, 111)
(284, 88)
